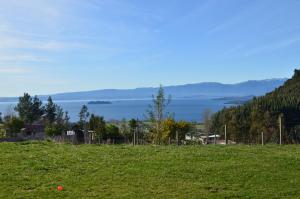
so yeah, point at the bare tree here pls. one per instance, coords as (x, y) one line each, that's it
(83, 117)
(9, 112)
(207, 120)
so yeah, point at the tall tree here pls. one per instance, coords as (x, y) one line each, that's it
(50, 110)
(37, 108)
(133, 127)
(125, 130)
(207, 120)
(98, 126)
(83, 117)
(59, 114)
(113, 132)
(57, 119)
(67, 119)
(29, 109)
(157, 113)
(13, 125)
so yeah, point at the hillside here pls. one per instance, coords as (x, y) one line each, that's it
(246, 122)
(34, 170)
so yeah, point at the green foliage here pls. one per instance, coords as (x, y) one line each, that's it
(1, 119)
(183, 128)
(126, 130)
(37, 108)
(50, 110)
(83, 116)
(98, 126)
(57, 119)
(59, 114)
(14, 124)
(67, 119)
(207, 120)
(35, 169)
(2, 131)
(157, 114)
(133, 125)
(171, 129)
(112, 132)
(54, 129)
(55, 114)
(29, 109)
(246, 122)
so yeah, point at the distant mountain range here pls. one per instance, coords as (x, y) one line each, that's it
(198, 90)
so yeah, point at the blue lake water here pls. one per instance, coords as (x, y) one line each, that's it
(183, 109)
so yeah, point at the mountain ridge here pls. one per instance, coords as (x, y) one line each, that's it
(195, 90)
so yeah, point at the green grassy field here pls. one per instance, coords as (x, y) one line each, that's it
(34, 170)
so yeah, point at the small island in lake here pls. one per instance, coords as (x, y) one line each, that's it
(99, 102)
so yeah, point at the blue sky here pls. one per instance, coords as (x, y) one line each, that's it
(50, 46)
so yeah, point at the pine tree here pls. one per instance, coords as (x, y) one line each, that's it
(51, 111)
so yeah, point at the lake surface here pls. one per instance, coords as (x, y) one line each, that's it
(183, 109)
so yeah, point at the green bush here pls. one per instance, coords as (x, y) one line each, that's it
(53, 130)
(14, 124)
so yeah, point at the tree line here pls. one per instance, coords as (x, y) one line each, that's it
(160, 127)
(246, 123)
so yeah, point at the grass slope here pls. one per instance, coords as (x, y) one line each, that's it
(34, 170)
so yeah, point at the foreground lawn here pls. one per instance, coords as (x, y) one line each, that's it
(34, 170)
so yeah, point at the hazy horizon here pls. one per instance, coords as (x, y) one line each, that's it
(149, 87)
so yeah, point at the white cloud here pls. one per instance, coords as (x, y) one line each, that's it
(37, 25)
(10, 42)
(20, 57)
(13, 70)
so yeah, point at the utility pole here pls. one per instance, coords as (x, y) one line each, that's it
(225, 134)
(134, 136)
(215, 139)
(177, 138)
(137, 136)
(137, 131)
(280, 129)
(262, 138)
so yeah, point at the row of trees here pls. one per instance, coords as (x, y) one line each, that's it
(244, 123)
(97, 130)
(30, 110)
(159, 128)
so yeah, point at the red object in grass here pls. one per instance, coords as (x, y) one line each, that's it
(60, 188)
